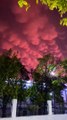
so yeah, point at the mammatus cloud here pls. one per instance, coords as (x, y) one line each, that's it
(30, 33)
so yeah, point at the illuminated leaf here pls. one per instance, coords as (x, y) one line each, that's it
(60, 5)
(37, 1)
(43, 2)
(20, 3)
(25, 3)
(63, 22)
(27, 7)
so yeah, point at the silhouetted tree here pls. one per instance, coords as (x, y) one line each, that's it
(48, 75)
(10, 68)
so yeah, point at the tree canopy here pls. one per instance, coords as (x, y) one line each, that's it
(52, 73)
(60, 5)
(11, 70)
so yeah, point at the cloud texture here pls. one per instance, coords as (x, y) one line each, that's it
(31, 33)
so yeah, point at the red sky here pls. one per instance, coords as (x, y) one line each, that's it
(31, 33)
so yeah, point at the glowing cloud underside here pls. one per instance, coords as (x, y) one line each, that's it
(30, 33)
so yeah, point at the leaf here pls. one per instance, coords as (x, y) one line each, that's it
(20, 3)
(63, 21)
(37, 1)
(27, 7)
(60, 5)
(43, 2)
(25, 3)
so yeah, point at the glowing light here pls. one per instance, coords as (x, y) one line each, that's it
(52, 73)
(29, 83)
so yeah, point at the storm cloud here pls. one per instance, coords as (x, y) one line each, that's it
(31, 34)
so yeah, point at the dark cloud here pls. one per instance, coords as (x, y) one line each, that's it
(31, 33)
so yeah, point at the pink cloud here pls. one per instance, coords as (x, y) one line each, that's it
(3, 27)
(6, 45)
(30, 33)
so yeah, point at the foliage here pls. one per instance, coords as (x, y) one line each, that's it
(22, 3)
(64, 64)
(21, 93)
(36, 96)
(60, 5)
(9, 66)
(10, 69)
(63, 21)
(52, 82)
(45, 65)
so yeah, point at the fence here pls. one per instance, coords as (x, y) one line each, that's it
(25, 109)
